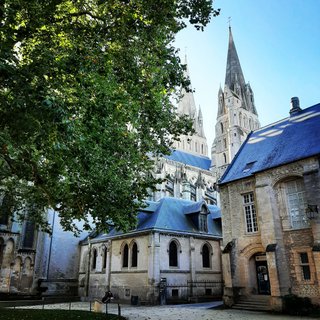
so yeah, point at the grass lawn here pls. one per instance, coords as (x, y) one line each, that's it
(38, 314)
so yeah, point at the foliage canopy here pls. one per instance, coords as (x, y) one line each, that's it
(86, 92)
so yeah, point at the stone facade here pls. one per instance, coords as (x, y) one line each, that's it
(287, 245)
(152, 267)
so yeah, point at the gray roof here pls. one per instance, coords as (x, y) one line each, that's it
(173, 215)
(294, 138)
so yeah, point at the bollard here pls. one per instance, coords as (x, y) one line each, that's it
(106, 308)
(90, 306)
(119, 310)
(69, 306)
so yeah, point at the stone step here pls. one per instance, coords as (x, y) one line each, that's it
(256, 303)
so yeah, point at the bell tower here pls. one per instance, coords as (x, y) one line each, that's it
(237, 114)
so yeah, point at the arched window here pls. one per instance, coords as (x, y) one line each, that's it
(125, 256)
(105, 252)
(221, 127)
(134, 255)
(205, 256)
(94, 259)
(225, 158)
(29, 234)
(173, 254)
(202, 151)
(5, 208)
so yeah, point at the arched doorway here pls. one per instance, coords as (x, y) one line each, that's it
(262, 274)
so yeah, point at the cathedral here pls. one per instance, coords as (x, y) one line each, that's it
(264, 242)
(32, 262)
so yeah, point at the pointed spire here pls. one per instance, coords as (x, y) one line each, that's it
(187, 105)
(233, 70)
(200, 129)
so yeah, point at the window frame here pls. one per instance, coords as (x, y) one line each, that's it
(125, 256)
(134, 255)
(94, 258)
(250, 213)
(206, 261)
(296, 212)
(173, 255)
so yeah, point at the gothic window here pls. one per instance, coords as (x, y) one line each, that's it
(125, 256)
(221, 127)
(8, 253)
(296, 202)
(305, 267)
(27, 266)
(196, 146)
(250, 213)
(202, 151)
(225, 143)
(205, 256)
(169, 188)
(245, 122)
(225, 158)
(105, 253)
(5, 208)
(94, 259)
(173, 254)
(29, 235)
(193, 196)
(134, 255)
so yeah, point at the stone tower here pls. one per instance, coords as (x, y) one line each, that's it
(237, 114)
(196, 143)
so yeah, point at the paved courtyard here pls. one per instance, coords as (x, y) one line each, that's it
(201, 311)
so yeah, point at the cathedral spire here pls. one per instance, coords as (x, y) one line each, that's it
(233, 71)
(200, 129)
(187, 105)
(237, 114)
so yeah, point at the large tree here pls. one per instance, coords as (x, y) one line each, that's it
(86, 95)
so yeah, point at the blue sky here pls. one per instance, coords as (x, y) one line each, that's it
(278, 44)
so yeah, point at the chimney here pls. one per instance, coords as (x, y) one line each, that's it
(295, 106)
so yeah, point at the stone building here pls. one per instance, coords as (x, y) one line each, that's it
(270, 198)
(237, 115)
(33, 262)
(173, 254)
(17, 252)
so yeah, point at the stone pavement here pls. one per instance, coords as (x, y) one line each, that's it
(200, 311)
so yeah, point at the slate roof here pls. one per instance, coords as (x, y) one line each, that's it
(201, 162)
(294, 138)
(172, 215)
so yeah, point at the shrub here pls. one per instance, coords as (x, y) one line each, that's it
(294, 305)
